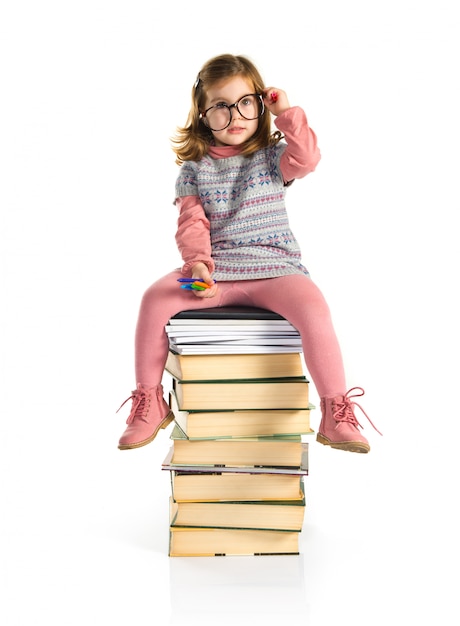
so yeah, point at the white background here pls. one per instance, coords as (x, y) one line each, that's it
(91, 93)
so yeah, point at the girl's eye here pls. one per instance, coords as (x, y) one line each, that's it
(220, 105)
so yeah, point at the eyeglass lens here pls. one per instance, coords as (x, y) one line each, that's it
(218, 117)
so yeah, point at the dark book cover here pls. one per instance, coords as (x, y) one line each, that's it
(229, 312)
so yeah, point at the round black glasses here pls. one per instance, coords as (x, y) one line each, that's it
(219, 116)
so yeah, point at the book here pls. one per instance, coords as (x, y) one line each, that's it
(231, 542)
(248, 452)
(231, 348)
(195, 486)
(240, 423)
(223, 366)
(210, 468)
(267, 515)
(251, 393)
(223, 338)
(231, 345)
(235, 328)
(227, 315)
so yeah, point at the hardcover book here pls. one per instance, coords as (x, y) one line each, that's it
(239, 423)
(227, 313)
(189, 486)
(223, 366)
(277, 451)
(255, 393)
(231, 542)
(230, 347)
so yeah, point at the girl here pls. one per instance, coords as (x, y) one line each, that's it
(233, 228)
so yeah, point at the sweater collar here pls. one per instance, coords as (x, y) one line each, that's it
(223, 152)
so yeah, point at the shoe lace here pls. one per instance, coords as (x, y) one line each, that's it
(140, 405)
(343, 411)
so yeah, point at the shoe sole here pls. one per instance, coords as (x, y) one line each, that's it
(130, 446)
(348, 446)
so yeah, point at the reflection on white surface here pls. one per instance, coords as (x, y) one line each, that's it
(229, 590)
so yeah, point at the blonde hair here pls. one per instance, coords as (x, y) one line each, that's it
(191, 141)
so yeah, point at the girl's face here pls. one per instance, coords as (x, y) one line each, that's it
(229, 91)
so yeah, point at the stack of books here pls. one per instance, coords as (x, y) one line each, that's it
(232, 330)
(238, 459)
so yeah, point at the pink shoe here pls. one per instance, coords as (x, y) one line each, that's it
(339, 426)
(149, 413)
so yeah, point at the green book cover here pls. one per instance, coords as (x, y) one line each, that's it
(178, 433)
(245, 381)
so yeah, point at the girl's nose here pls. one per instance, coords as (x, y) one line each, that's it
(234, 111)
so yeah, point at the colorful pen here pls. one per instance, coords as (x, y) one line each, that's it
(200, 283)
(193, 286)
(193, 283)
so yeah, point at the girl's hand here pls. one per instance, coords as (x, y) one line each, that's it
(276, 100)
(201, 272)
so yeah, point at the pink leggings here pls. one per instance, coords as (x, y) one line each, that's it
(296, 298)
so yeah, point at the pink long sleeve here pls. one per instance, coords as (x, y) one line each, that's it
(302, 154)
(193, 234)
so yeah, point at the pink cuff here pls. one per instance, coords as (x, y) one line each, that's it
(187, 267)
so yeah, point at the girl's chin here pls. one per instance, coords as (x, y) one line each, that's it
(230, 140)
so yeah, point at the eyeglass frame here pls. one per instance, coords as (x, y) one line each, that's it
(230, 107)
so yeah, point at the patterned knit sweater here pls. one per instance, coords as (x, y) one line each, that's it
(232, 208)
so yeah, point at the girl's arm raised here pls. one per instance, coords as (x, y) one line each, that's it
(302, 154)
